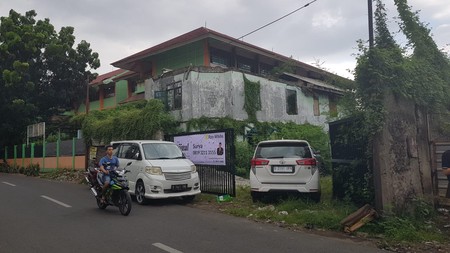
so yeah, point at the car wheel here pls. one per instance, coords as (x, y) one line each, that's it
(188, 199)
(140, 193)
(256, 196)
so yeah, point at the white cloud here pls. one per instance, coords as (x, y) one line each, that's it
(327, 20)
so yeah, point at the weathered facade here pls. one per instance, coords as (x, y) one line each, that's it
(401, 156)
(201, 73)
(216, 92)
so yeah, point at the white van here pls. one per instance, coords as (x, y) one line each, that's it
(158, 170)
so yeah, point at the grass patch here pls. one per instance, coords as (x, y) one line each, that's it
(327, 215)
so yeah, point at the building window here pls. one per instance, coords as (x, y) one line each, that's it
(109, 91)
(316, 107)
(245, 64)
(264, 69)
(174, 96)
(94, 94)
(132, 86)
(291, 102)
(162, 95)
(332, 104)
(219, 58)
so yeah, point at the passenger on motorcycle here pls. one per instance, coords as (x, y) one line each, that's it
(107, 164)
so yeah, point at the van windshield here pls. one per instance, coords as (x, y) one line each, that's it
(154, 151)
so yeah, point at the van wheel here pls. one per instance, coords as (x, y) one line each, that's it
(256, 196)
(140, 193)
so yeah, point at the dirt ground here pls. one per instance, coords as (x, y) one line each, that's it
(427, 247)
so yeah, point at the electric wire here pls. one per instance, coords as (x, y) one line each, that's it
(290, 13)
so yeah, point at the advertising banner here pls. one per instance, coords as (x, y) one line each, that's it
(204, 149)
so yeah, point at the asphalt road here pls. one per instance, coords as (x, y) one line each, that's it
(38, 215)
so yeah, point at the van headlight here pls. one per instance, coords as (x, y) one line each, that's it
(193, 169)
(153, 170)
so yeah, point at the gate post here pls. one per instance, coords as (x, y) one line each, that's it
(15, 156)
(23, 154)
(32, 153)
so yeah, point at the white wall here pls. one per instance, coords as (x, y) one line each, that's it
(222, 94)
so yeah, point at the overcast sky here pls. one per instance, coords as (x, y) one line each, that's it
(326, 31)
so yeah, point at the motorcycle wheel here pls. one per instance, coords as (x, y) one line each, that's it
(100, 204)
(124, 203)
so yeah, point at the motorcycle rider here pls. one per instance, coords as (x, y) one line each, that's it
(112, 163)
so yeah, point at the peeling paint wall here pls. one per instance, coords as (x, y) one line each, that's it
(221, 94)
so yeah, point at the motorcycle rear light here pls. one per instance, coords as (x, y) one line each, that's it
(307, 161)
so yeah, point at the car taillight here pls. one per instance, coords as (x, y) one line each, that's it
(258, 162)
(307, 161)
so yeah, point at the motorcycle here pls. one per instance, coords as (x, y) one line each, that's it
(117, 193)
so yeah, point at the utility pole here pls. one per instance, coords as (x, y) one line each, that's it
(87, 94)
(370, 12)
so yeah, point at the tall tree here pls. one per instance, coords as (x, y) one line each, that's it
(42, 73)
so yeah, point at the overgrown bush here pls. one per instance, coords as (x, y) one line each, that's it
(139, 120)
(4, 167)
(244, 153)
(32, 170)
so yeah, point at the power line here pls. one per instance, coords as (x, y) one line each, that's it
(304, 6)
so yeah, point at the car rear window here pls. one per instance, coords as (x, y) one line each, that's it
(283, 150)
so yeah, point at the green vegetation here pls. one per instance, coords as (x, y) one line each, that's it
(260, 131)
(139, 120)
(301, 213)
(252, 101)
(42, 73)
(30, 170)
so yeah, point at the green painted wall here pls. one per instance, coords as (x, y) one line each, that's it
(94, 105)
(180, 57)
(121, 90)
(109, 102)
(140, 88)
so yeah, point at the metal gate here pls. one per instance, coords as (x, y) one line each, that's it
(440, 180)
(216, 179)
(351, 175)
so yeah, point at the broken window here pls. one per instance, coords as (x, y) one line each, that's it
(174, 96)
(332, 104)
(291, 102)
(109, 90)
(316, 107)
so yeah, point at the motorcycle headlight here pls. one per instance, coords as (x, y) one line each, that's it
(193, 169)
(153, 170)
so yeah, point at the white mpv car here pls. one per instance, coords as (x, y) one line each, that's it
(284, 166)
(158, 170)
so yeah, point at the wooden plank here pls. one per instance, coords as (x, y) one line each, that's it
(358, 218)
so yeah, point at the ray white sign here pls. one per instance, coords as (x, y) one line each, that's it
(204, 149)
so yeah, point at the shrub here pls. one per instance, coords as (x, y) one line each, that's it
(244, 153)
(32, 170)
